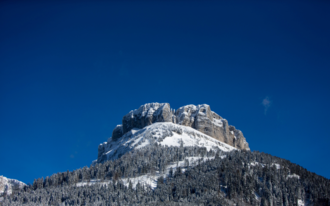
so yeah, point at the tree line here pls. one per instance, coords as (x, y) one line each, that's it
(241, 178)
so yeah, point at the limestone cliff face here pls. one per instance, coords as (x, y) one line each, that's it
(199, 117)
(146, 115)
(208, 122)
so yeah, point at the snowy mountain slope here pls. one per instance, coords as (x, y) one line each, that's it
(163, 133)
(150, 179)
(198, 117)
(8, 185)
(160, 156)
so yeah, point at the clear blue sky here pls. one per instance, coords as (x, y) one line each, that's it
(70, 71)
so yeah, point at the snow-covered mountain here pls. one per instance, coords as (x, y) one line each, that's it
(8, 185)
(162, 133)
(157, 123)
(190, 156)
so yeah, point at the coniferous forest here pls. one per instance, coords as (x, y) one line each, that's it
(216, 178)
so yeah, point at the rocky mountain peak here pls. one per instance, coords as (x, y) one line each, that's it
(199, 117)
(203, 119)
(146, 115)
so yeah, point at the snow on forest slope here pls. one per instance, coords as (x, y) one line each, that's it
(163, 133)
(150, 179)
(8, 185)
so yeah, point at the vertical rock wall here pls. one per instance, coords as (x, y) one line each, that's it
(208, 122)
(146, 115)
(198, 117)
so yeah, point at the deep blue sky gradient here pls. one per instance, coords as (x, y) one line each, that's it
(69, 72)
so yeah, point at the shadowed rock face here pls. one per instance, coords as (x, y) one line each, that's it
(117, 132)
(204, 120)
(199, 117)
(146, 115)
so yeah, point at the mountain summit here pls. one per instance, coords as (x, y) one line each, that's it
(189, 125)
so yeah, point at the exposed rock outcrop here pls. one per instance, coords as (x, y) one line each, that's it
(146, 115)
(208, 122)
(199, 117)
(117, 132)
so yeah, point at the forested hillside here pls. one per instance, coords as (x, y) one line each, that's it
(214, 178)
